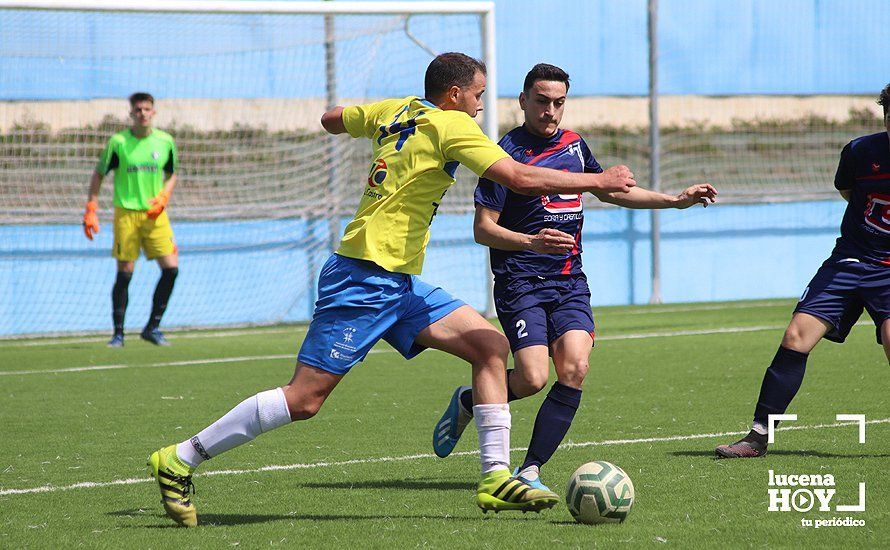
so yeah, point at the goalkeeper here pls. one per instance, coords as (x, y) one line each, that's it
(144, 161)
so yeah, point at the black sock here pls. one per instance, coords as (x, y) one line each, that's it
(119, 296)
(161, 297)
(780, 383)
(552, 424)
(466, 398)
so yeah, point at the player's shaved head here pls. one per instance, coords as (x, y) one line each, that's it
(139, 97)
(884, 99)
(450, 69)
(545, 71)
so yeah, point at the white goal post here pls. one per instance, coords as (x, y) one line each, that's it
(263, 193)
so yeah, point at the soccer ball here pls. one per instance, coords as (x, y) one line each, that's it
(599, 492)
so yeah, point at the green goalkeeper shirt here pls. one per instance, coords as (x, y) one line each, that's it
(139, 165)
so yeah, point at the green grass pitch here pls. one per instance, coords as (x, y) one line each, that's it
(663, 380)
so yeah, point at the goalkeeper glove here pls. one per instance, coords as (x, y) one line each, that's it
(158, 204)
(91, 220)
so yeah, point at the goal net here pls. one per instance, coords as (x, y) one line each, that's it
(263, 192)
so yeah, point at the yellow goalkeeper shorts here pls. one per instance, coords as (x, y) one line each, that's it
(134, 230)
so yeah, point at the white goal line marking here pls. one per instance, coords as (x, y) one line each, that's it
(640, 336)
(408, 458)
(189, 363)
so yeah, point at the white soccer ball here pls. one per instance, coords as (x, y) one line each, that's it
(599, 492)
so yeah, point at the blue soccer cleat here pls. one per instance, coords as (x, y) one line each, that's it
(452, 424)
(532, 481)
(117, 341)
(155, 336)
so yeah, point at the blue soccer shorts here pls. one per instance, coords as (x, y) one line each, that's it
(841, 289)
(360, 303)
(535, 311)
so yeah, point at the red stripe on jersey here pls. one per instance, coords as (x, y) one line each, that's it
(567, 267)
(874, 177)
(567, 138)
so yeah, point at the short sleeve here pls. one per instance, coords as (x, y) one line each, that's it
(108, 160)
(363, 120)
(490, 194)
(462, 140)
(590, 163)
(172, 165)
(845, 176)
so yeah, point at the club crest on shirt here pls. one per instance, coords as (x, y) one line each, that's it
(155, 155)
(875, 167)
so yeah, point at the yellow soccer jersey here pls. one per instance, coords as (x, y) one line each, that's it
(416, 149)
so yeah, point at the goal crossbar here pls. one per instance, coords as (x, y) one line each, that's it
(260, 7)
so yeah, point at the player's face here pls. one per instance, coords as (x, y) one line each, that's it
(142, 114)
(469, 98)
(543, 106)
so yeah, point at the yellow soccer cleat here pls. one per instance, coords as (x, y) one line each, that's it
(499, 491)
(175, 481)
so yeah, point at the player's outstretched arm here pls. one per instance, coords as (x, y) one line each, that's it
(702, 193)
(533, 180)
(332, 121)
(487, 232)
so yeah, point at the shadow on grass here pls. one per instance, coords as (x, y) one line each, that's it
(405, 484)
(781, 452)
(160, 521)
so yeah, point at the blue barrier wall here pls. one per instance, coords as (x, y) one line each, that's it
(788, 47)
(54, 280)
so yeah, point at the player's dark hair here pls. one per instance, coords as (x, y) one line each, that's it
(545, 71)
(141, 96)
(884, 99)
(450, 69)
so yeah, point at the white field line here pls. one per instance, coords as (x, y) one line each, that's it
(705, 307)
(11, 343)
(190, 363)
(409, 458)
(641, 336)
(296, 329)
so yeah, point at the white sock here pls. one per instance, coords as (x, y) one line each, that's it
(493, 425)
(759, 428)
(255, 415)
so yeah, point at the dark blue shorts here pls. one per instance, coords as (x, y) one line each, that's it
(359, 303)
(535, 311)
(841, 289)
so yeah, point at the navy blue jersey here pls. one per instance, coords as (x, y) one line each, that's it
(566, 151)
(864, 170)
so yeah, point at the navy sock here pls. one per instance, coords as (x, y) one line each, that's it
(780, 383)
(552, 424)
(119, 296)
(466, 398)
(161, 297)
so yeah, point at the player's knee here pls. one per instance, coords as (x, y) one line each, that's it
(301, 407)
(573, 373)
(490, 349)
(531, 381)
(793, 338)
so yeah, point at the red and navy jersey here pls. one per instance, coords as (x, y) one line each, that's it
(566, 151)
(864, 170)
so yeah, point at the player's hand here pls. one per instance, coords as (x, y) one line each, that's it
(702, 193)
(552, 241)
(91, 220)
(617, 179)
(158, 204)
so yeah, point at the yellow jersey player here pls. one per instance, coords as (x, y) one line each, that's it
(369, 289)
(144, 161)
